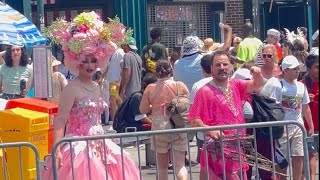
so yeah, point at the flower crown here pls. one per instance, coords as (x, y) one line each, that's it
(87, 34)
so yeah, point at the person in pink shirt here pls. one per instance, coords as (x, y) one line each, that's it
(219, 103)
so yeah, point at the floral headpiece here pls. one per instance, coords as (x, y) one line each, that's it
(87, 34)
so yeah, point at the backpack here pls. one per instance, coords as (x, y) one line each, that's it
(179, 109)
(119, 123)
(267, 109)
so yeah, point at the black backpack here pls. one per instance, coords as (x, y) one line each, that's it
(120, 123)
(267, 109)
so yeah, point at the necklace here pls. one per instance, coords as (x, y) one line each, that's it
(92, 89)
(229, 96)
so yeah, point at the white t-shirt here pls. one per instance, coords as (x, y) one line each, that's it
(197, 86)
(267, 88)
(114, 68)
(292, 97)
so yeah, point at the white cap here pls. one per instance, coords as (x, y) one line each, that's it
(274, 32)
(315, 35)
(242, 74)
(289, 62)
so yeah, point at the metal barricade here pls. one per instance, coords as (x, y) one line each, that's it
(21, 170)
(243, 150)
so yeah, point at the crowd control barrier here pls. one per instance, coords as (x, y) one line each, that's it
(239, 148)
(19, 160)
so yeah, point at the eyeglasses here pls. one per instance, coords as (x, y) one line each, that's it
(266, 56)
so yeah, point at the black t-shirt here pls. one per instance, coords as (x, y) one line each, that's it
(133, 111)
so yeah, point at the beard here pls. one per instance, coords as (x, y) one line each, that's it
(222, 75)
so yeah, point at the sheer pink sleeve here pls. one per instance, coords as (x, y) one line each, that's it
(241, 85)
(199, 108)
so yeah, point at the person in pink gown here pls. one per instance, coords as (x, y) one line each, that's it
(80, 109)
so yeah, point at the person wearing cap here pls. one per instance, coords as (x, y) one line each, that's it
(294, 98)
(59, 81)
(273, 37)
(131, 69)
(249, 47)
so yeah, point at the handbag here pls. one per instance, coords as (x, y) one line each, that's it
(281, 160)
(179, 110)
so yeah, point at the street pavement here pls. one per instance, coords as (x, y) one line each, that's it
(149, 172)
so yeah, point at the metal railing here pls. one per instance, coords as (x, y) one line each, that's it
(239, 142)
(5, 147)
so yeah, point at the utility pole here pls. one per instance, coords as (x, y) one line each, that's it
(310, 31)
(27, 9)
(40, 12)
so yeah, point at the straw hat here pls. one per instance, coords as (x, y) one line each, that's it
(210, 45)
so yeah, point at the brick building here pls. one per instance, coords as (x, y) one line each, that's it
(234, 14)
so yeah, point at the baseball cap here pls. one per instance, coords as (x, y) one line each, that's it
(274, 32)
(242, 74)
(132, 43)
(289, 62)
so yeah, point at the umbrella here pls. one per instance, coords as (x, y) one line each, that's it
(16, 29)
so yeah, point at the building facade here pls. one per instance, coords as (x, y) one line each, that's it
(180, 18)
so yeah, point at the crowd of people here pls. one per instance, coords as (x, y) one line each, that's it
(218, 78)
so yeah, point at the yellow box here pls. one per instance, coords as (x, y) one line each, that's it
(22, 125)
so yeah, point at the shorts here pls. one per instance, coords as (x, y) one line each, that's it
(162, 143)
(313, 147)
(190, 135)
(114, 90)
(295, 142)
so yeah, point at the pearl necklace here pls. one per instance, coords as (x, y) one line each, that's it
(229, 97)
(92, 89)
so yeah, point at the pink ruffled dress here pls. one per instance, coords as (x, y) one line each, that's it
(85, 121)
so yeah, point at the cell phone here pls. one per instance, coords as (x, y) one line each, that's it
(23, 84)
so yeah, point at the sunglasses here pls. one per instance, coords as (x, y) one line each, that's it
(267, 55)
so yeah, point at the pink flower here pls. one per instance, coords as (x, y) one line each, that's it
(90, 49)
(80, 36)
(83, 28)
